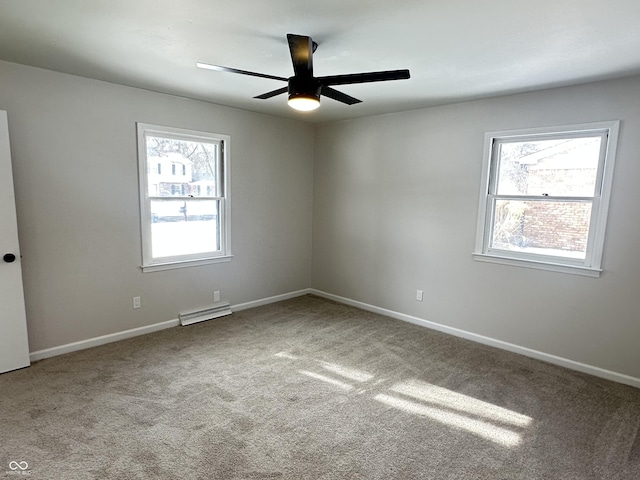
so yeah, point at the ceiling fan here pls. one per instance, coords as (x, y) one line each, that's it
(303, 88)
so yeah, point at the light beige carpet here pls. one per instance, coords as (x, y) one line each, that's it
(311, 389)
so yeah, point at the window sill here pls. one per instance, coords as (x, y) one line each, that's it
(156, 267)
(549, 266)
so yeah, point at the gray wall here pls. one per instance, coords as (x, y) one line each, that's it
(74, 152)
(395, 210)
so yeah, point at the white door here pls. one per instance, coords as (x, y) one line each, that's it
(14, 347)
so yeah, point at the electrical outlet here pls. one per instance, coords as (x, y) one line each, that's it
(216, 296)
(136, 302)
(419, 295)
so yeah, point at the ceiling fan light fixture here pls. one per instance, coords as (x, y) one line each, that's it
(304, 103)
(304, 93)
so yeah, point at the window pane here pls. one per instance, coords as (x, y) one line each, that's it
(184, 227)
(558, 167)
(182, 168)
(542, 227)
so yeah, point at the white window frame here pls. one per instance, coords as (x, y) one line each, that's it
(591, 265)
(151, 264)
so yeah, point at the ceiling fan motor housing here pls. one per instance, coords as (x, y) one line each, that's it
(304, 86)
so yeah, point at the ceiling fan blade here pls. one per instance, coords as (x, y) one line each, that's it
(301, 48)
(339, 96)
(235, 70)
(264, 96)
(365, 77)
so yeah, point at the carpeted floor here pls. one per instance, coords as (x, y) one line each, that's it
(311, 389)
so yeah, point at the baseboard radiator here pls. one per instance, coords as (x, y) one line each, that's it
(209, 313)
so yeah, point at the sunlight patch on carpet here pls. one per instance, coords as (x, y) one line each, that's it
(457, 401)
(499, 435)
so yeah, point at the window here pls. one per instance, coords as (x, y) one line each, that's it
(181, 226)
(545, 196)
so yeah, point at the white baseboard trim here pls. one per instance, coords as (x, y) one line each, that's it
(546, 357)
(268, 300)
(134, 332)
(104, 339)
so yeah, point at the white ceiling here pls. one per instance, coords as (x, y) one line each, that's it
(455, 49)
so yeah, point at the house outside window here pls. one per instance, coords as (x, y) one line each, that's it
(545, 197)
(183, 224)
